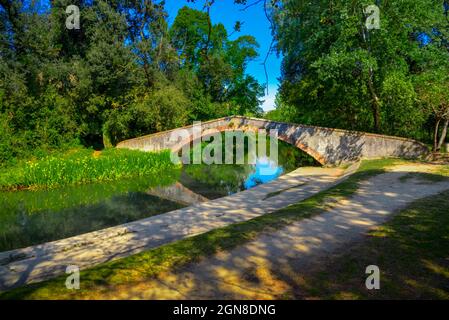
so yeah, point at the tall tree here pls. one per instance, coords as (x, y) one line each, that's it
(123, 73)
(340, 74)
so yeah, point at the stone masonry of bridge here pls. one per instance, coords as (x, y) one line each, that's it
(327, 146)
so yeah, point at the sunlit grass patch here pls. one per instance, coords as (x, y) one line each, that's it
(443, 170)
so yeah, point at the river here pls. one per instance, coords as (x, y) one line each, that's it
(34, 217)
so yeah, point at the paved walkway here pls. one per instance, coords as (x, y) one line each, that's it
(271, 265)
(37, 263)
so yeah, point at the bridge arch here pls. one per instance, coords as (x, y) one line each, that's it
(205, 133)
(327, 146)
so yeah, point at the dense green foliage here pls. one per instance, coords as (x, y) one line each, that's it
(124, 73)
(83, 166)
(337, 73)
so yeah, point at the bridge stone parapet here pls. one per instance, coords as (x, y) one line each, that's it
(327, 146)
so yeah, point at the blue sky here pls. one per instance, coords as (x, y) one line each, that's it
(255, 24)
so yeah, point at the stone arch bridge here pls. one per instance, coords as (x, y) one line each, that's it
(327, 146)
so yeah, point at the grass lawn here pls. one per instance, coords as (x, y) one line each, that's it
(411, 250)
(139, 267)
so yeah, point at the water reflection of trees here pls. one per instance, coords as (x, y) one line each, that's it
(33, 217)
(214, 181)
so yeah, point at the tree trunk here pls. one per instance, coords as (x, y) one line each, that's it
(147, 73)
(107, 140)
(435, 135)
(443, 135)
(209, 33)
(375, 104)
(376, 115)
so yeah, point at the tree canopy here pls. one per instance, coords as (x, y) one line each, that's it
(338, 73)
(125, 72)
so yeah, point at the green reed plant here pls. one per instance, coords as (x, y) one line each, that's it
(83, 166)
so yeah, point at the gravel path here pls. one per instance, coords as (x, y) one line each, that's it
(269, 266)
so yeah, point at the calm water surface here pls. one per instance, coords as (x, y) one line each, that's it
(33, 217)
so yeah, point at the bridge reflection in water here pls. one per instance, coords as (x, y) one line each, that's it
(264, 171)
(177, 193)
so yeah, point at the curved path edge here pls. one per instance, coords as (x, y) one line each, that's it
(41, 262)
(276, 265)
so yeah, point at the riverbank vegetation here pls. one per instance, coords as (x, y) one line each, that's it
(82, 166)
(33, 217)
(58, 199)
